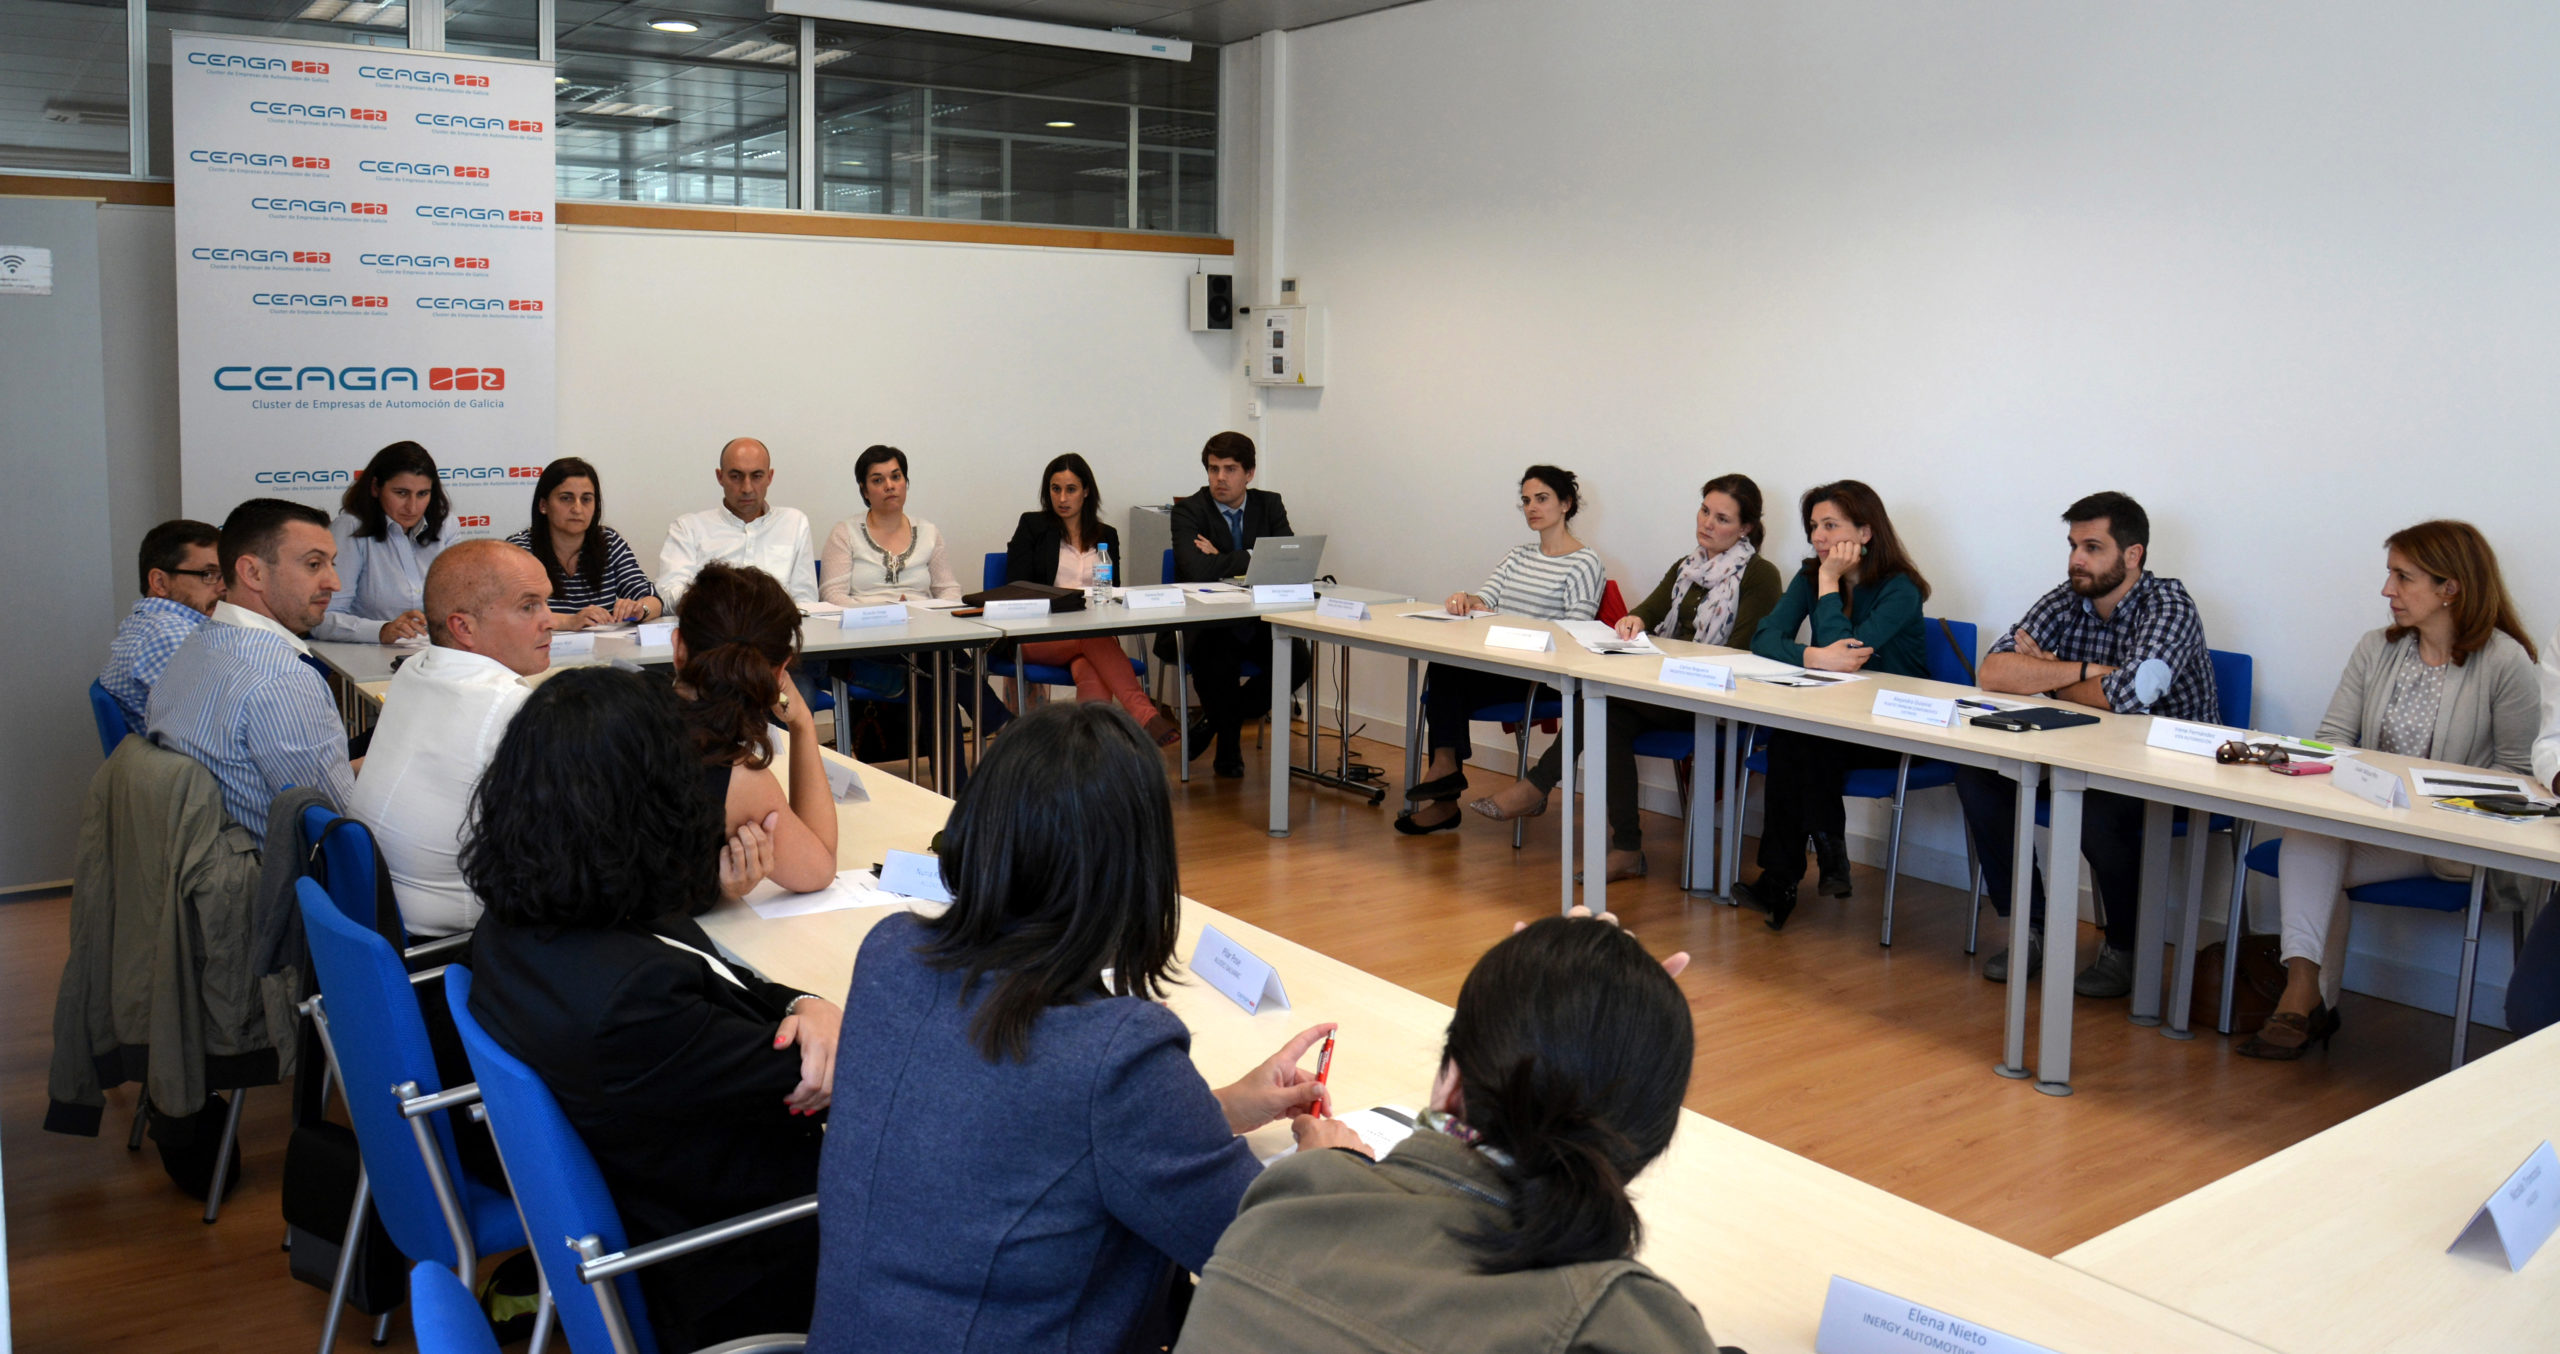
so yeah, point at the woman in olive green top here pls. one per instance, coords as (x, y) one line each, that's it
(1714, 595)
(1502, 1225)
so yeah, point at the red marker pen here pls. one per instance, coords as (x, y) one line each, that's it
(1324, 1065)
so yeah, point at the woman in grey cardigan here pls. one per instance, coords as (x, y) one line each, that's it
(2452, 678)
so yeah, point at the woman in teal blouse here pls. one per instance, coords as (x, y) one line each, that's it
(1862, 596)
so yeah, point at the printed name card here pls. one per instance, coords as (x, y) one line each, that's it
(864, 617)
(1916, 709)
(1696, 672)
(656, 634)
(1857, 1319)
(1017, 609)
(910, 874)
(2522, 1214)
(1149, 599)
(1513, 637)
(1232, 969)
(1265, 594)
(2372, 784)
(2178, 735)
(1342, 609)
(565, 645)
(846, 782)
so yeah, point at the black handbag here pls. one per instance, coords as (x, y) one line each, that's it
(320, 1166)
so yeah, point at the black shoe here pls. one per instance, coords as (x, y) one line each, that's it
(1201, 736)
(1447, 787)
(1406, 825)
(1832, 856)
(1230, 768)
(1771, 896)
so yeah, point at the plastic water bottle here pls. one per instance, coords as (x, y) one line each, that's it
(1100, 592)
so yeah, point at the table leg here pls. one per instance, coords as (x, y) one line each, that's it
(2061, 951)
(1182, 695)
(1699, 829)
(978, 702)
(1280, 682)
(2182, 974)
(1412, 722)
(1342, 704)
(1738, 777)
(2233, 920)
(2470, 966)
(1567, 690)
(946, 724)
(1595, 883)
(2151, 915)
(2022, 881)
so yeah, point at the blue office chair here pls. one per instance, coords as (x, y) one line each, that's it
(110, 716)
(447, 1321)
(1032, 676)
(1251, 667)
(2425, 893)
(375, 1039)
(1515, 717)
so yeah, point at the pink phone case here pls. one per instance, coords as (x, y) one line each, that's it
(2301, 769)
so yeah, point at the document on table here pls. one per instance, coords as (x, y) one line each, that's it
(820, 609)
(1381, 1128)
(613, 628)
(1801, 677)
(851, 889)
(1601, 637)
(934, 604)
(2464, 784)
(1969, 706)
(1443, 615)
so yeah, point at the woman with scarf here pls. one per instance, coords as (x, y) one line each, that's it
(1714, 595)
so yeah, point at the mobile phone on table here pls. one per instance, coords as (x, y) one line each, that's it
(2301, 769)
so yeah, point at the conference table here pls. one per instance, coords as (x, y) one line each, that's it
(1750, 1232)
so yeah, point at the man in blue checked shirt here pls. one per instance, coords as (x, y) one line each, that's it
(181, 580)
(237, 696)
(2117, 637)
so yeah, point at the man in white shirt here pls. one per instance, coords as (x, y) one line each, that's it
(744, 530)
(489, 624)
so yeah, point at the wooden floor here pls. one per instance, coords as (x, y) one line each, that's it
(1874, 1062)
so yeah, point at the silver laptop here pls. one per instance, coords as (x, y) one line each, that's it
(1284, 559)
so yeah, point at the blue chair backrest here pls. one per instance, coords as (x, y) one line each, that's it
(2231, 676)
(1167, 576)
(110, 716)
(994, 577)
(446, 1319)
(556, 1182)
(381, 1041)
(1949, 663)
(347, 865)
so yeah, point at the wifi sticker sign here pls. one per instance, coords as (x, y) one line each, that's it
(25, 271)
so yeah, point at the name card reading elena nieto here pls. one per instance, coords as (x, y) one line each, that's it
(1265, 594)
(1857, 1319)
(2178, 735)
(1232, 969)
(1149, 599)
(1526, 641)
(865, 617)
(572, 646)
(1696, 672)
(2372, 784)
(1915, 709)
(911, 874)
(1017, 608)
(2523, 1213)
(1342, 609)
(656, 634)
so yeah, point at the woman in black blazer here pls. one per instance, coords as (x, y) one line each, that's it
(699, 1085)
(1056, 545)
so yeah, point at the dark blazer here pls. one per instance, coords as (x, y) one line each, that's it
(990, 1207)
(1032, 555)
(1198, 515)
(669, 1072)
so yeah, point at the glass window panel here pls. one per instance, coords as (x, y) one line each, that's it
(493, 28)
(63, 102)
(1177, 171)
(363, 22)
(638, 130)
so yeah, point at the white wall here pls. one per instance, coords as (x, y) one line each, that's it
(2282, 271)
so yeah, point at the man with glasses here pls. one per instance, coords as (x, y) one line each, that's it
(181, 580)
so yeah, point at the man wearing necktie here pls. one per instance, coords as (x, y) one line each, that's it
(1213, 535)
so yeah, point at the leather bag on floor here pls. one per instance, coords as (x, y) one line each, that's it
(2254, 991)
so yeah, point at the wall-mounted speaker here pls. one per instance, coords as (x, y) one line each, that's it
(1213, 302)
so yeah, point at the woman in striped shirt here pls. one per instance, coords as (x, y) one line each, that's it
(594, 578)
(1557, 579)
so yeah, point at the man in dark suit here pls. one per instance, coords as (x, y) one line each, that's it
(1213, 535)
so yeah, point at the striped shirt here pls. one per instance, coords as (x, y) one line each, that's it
(151, 632)
(1564, 588)
(624, 579)
(238, 698)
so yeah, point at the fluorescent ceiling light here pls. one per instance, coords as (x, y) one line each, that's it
(918, 17)
(675, 25)
(1062, 124)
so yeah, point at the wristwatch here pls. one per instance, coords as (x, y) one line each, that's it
(2084, 669)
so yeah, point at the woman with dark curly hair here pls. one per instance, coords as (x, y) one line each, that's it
(696, 1082)
(390, 527)
(737, 637)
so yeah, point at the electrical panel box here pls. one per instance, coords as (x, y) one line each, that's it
(1287, 347)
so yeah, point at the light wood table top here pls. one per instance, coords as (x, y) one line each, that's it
(1750, 1232)
(2336, 1245)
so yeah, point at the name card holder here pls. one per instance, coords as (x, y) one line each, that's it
(865, 617)
(1342, 609)
(566, 645)
(1526, 641)
(1017, 608)
(1857, 1319)
(2522, 1214)
(1915, 709)
(1268, 594)
(1232, 969)
(1696, 672)
(1149, 599)
(2372, 784)
(2178, 735)
(656, 635)
(911, 874)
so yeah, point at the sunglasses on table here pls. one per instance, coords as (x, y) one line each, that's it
(2236, 753)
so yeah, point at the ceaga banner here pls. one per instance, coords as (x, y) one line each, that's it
(364, 257)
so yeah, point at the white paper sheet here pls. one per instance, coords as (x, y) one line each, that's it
(1377, 1127)
(851, 889)
(1601, 637)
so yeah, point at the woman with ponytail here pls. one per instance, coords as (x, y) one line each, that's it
(1503, 1224)
(737, 637)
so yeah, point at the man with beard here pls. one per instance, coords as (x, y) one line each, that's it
(2117, 637)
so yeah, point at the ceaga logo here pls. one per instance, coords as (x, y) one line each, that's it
(317, 112)
(410, 78)
(466, 378)
(302, 479)
(260, 257)
(470, 122)
(257, 161)
(302, 206)
(280, 300)
(233, 63)
(433, 263)
(315, 377)
(480, 304)
(435, 211)
(405, 169)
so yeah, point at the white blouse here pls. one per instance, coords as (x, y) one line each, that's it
(855, 571)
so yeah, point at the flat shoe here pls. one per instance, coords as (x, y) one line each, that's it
(1494, 811)
(1406, 825)
(1447, 787)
